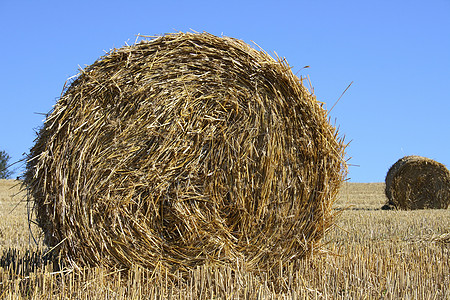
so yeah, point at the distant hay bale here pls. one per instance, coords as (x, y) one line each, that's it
(183, 149)
(416, 182)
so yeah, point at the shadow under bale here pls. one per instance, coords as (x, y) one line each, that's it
(416, 182)
(183, 149)
(25, 262)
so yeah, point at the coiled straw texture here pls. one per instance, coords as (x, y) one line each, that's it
(183, 149)
(416, 182)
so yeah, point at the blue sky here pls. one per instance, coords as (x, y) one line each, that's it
(396, 53)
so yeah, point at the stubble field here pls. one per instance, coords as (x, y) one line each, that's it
(369, 254)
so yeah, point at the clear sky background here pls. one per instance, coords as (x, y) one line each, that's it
(396, 53)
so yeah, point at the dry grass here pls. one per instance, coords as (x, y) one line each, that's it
(372, 254)
(186, 149)
(13, 216)
(416, 182)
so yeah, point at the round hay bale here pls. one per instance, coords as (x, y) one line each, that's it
(183, 149)
(416, 182)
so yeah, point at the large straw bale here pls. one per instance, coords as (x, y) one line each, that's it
(182, 149)
(416, 182)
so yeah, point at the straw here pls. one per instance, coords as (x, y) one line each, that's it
(183, 149)
(416, 182)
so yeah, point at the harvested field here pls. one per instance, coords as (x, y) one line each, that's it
(372, 254)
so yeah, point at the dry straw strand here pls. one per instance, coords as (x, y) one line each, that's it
(183, 149)
(416, 182)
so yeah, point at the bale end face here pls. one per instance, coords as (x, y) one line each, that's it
(184, 149)
(416, 182)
